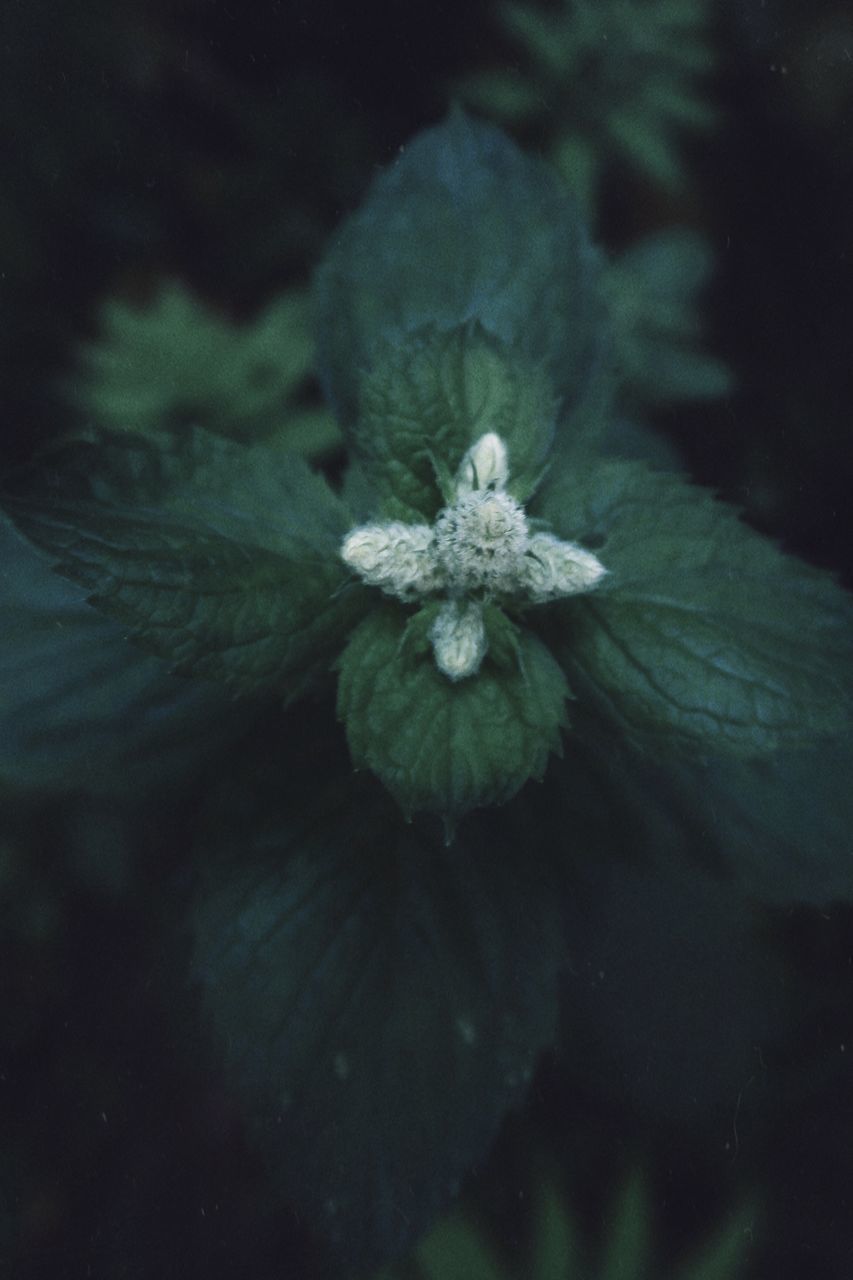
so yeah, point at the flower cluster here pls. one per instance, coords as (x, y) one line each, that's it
(479, 548)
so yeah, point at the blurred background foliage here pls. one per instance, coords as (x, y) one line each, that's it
(170, 174)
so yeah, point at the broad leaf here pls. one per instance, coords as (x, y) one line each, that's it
(703, 633)
(260, 493)
(443, 746)
(462, 228)
(423, 405)
(781, 825)
(674, 991)
(83, 708)
(380, 999)
(227, 571)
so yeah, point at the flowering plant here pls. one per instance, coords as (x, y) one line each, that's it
(491, 555)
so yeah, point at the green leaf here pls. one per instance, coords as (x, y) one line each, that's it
(782, 825)
(443, 746)
(423, 405)
(156, 368)
(83, 709)
(703, 633)
(380, 999)
(725, 1255)
(555, 1249)
(501, 94)
(462, 228)
(626, 1253)
(454, 1250)
(602, 79)
(228, 572)
(653, 291)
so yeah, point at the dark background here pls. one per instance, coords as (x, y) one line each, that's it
(221, 143)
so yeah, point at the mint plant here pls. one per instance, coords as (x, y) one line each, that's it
(489, 583)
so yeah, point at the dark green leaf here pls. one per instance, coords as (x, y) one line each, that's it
(782, 825)
(703, 633)
(462, 228)
(381, 999)
(81, 707)
(425, 404)
(443, 746)
(226, 564)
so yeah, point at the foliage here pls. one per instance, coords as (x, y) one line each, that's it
(603, 79)
(379, 989)
(456, 1249)
(176, 363)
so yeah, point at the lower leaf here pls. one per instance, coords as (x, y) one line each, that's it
(381, 1001)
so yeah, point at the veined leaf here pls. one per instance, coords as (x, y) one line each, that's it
(703, 633)
(221, 559)
(462, 228)
(381, 999)
(260, 621)
(443, 746)
(423, 405)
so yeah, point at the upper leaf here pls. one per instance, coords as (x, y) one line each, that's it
(228, 571)
(443, 746)
(703, 632)
(421, 406)
(380, 999)
(462, 228)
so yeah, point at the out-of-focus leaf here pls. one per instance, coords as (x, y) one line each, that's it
(82, 708)
(653, 291)
(627, 1244)
(381, 999)
(463, 227)
(177, 362)
(600, 80)
(456, 1249)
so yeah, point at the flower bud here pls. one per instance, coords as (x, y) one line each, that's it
(398, 558)
(458, 638)
(552, 569)
(484, 466)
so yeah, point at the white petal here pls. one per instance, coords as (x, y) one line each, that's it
(484, 466)
(459, 640)
(552, 569)
(398, 558)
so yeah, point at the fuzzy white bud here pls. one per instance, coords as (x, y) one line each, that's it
(458, 638)
(398, 558)
(480, 540)
(484, 466)
(552, 569)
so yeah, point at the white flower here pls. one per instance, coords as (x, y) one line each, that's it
(479, 547)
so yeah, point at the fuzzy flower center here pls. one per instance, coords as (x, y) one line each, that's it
(479, 540)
